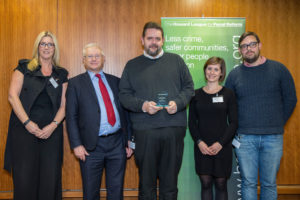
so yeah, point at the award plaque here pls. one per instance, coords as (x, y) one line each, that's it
(162, 99)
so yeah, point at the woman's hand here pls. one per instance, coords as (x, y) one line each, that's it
(215, 148)
(33, 128)
(204, 148)
(47, 131)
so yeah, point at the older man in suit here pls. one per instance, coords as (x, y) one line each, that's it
(97, 126)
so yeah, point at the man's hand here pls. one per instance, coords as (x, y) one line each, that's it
(172, 108)
(80, 152)
(150, 107)
(129, 150)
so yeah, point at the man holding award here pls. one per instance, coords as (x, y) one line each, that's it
(156, 88)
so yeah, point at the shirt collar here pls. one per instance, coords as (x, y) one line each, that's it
(156, 57)
(93, 75)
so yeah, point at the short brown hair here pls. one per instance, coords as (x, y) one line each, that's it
(152, 25)
(213, 61)
(246, 34)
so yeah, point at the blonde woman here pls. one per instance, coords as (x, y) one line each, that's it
(34, 149)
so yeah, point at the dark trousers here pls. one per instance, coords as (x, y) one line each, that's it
(158, 155)
(36, 165)
(109, 154)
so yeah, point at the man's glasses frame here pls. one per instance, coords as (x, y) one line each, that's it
(252, 45)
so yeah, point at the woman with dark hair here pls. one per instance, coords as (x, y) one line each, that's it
(34, 148)
(212, 124)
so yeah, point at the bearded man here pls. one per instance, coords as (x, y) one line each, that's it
(266, 97)
(156, 88)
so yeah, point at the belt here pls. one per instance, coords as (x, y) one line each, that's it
(111, 134)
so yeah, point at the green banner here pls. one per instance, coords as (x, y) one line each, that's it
(196, 40)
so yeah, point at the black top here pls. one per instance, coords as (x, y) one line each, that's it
(35, 82)
(46, 96)
(144, 78)
(213, 122)
(41, 110)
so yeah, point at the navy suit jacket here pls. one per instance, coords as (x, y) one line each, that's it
(83, 111)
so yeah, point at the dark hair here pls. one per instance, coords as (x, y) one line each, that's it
(213, 61)
(246, 34)
(153, 25)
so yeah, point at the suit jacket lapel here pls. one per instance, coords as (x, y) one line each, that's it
(90, 87)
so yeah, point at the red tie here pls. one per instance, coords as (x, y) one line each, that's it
(108, 105)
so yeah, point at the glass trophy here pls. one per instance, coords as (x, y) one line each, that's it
(162, 99)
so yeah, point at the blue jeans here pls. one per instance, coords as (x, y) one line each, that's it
(259, 154)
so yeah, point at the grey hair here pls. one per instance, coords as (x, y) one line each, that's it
(89, 46)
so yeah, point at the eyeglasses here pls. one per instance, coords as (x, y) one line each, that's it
(90, 57)
(49, 45)
(251, 45)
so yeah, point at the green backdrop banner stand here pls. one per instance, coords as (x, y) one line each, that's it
(196, 40)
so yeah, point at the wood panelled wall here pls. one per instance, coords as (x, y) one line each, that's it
(117, 25)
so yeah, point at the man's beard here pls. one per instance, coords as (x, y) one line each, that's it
(153, 53)
(253, 59)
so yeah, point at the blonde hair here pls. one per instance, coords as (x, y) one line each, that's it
(34, 62)
(89, 46)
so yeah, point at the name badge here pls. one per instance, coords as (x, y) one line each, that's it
(218, 99)
(236, 143)
(53, 82)
(132, 145)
